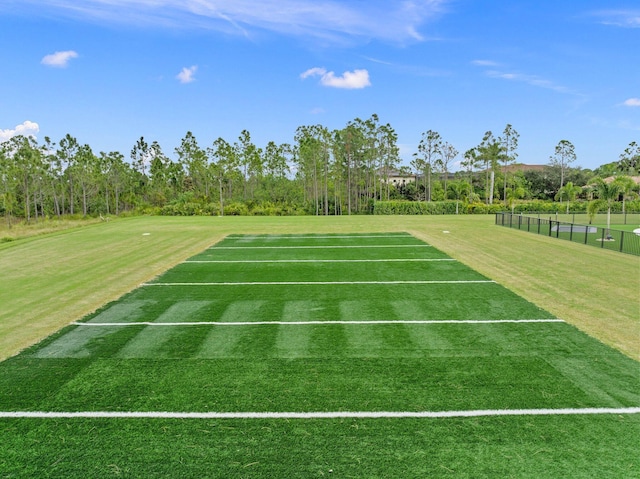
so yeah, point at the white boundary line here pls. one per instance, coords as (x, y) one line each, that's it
(325, 246)
(267, 237)
(398, 260)
(305, 283)
(310, 323)
(315, 415)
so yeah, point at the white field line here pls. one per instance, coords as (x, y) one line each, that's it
(293, 283)
(268, 237)
(315, 415)
(395, 260)
(325, 246)
(313, 323)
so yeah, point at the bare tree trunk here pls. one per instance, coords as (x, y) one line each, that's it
(491, 188)
(221, 198)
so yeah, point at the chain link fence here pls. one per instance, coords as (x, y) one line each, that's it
(611, 239)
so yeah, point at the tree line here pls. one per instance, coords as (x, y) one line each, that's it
(322, 172)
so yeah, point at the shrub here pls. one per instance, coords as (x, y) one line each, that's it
(432, 208)
(236, 209)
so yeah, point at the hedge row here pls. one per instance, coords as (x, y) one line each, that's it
(403, 207)
(194, 208)
(396, 207)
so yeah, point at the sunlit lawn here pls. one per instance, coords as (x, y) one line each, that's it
(382, 323)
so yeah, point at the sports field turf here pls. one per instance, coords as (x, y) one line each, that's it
(326, 355)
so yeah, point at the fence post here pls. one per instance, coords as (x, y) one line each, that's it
(558, 229)
(621, 239)
(602, 239)
(571, 232)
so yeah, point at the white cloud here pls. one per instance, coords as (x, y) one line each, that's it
(327, 20)
(59, 59)
(313, 71)
(376, 60)
(349, 80)
(485, 63)
(186, 75)
(27, 128)
(632, 102)
(619, 18)
(532, 80)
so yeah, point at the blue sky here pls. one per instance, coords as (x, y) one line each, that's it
(110, 71)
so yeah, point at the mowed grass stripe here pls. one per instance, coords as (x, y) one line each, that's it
(309, 323)
(325, 246)
(391, 260)
(302, 240)
(316, 415)
(247, 370)
(488, 301)
(298, 237)
(373, 448)
(320, 272)
(319, 254)
(306, 283)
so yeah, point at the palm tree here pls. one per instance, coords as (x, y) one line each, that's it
(627, 185)
(459, 189)
(568, 191)
(514, 194)
(607, 193)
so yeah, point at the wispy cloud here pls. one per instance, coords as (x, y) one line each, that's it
(376, 60)
(349, 80)
(186, 75)
(408, 69)
(533, 80)
(627, 125)
(59, 59)
(485, 63)
(634, 102)
(26, 128)
(329, 20)
(618, 18)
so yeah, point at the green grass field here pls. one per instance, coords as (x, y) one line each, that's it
(408, 362)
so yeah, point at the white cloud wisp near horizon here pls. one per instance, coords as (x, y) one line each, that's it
(26, 128)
